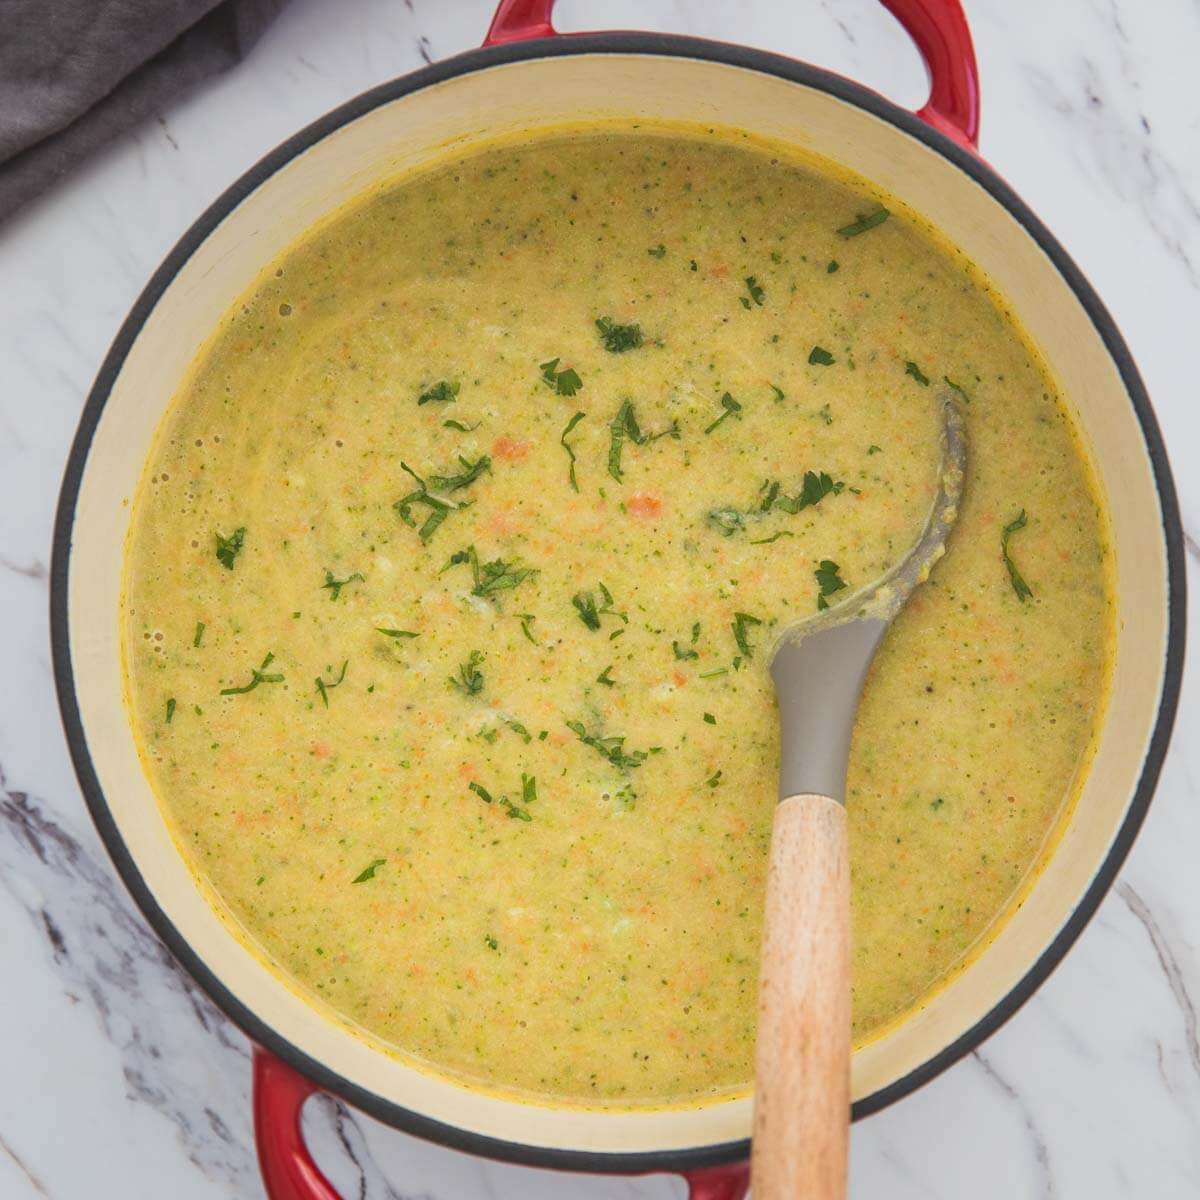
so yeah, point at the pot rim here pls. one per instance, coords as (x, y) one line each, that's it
(649, 44)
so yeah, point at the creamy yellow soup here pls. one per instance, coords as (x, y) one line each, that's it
(456, 566)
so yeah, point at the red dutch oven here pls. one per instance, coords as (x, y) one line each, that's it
(527, 78)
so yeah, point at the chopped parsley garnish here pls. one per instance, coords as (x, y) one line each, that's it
(611, 748)
(490, 942)
(742, 623)
(439, 509)
(714, 780)
(1023, 590)
(658, 251)
(828, 580)
(683, 653)
(469, 679)
(470, 472)
(864, 221)
(395, 633)
(624, 425)
(525, 619)
(731, 408)
(518, 729)
(833, 266)
(605, 678)
(709, 719)
(444, 392)
(199, 633)
(170, 709)
(452, 424)
(257, 675)
(779, 533)
(813, 489)
(565, 382)
(562, 441)
(958, 387)
(756, 292)
(590, 612)
(818, 356)
(873, 449)
(369, 872)
(491, 577)
(728, 520)
(780, 395)
(228, 548)
(618, 338)
(334, 586)
(528, 796)
(911, 368)
(324, 687)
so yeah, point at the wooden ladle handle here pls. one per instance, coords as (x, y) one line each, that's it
(802, 1077)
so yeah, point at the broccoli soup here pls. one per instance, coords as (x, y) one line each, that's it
(456, 566)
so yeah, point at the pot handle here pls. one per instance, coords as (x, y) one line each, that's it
(288, 1170)
(938, 28)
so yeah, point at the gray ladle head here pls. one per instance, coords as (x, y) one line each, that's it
(819, 663)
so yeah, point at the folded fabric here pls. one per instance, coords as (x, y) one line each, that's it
(75, 73)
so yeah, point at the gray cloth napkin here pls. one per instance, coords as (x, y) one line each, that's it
(75, 73)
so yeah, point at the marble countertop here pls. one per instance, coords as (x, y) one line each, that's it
(120, 1078)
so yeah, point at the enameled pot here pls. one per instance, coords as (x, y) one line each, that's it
(527, 78)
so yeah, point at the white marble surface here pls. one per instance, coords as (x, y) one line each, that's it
(117, 1077)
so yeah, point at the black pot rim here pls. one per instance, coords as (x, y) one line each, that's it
(672, 46)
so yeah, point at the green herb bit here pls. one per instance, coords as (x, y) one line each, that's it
(335, 586)
(228, 548)
(170, 709)
(818, 356)
(826, 414)
(937, 803)
(780, 395)
(396, 633)
(470, 472)
(683, 653)
(756, 292)
(369, 872)
(741, 632)
(863, 222)
(624, 425)
(490, 942)
(605, 678)
(728, 520)
(480, 791)
(828, 580)
(445, 392)
(693, 266)
(469, 679)
(779, 533)
(257, 675)
(1023, 590)
(958, 387)
(873, 449)
(590, 612)
(562, 441)
(714, 674)
(911, 368)
(325, 687)
(528, 788)
(714, 780)
(658, 251)
(813, 489)
(731, 407)
(513, 810)
(200, 627)
(525, 619)
(565, 382)
(611, 748)
(832, 267)
(439, 509)
(518, 729)
(491, 577)
(709, 719)
(452, 424)
(618, 338)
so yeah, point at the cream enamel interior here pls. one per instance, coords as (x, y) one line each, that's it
(544, 93)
